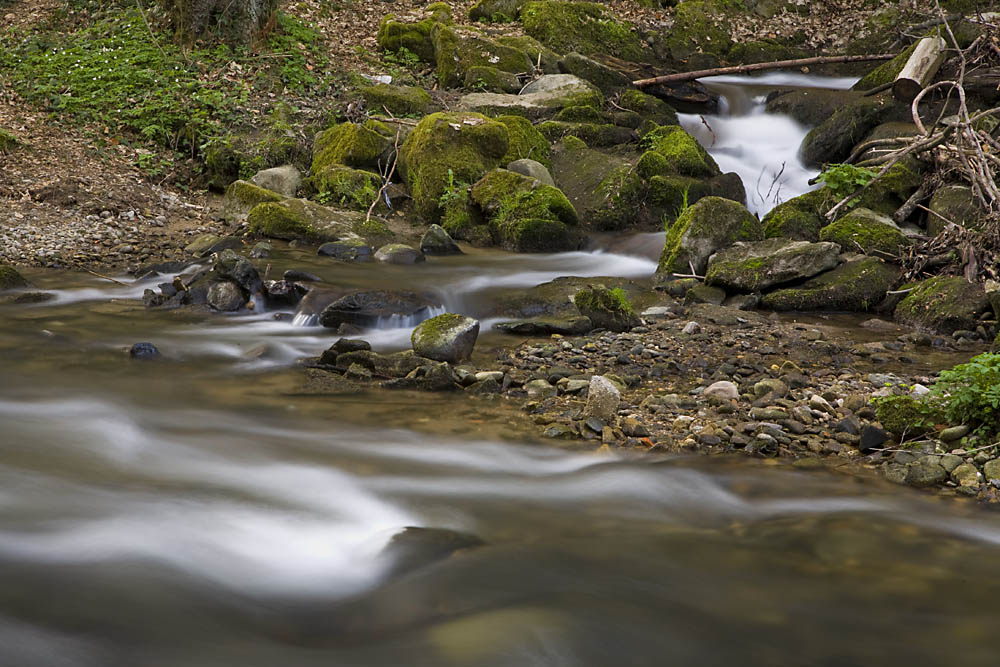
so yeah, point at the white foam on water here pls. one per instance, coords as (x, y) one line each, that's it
(796, 79)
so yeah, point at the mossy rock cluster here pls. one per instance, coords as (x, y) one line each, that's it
(521, 215)
(232, 157)
(350, 188)
(648, 107)
(242, 196)
(10, 278)
(943, 304)
(544, 58)
(357, 145)
(583, 27)
(496, 11)
(699, 28)
(303, 220)
(598, 135)
(800, 218)
(446, 149)
(711, 224)
(525, 141)
(457, 50)
(857, 285)
(671, 150)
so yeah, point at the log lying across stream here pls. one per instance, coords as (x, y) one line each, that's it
(758, 67)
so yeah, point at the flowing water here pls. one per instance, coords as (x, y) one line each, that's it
(208, 509)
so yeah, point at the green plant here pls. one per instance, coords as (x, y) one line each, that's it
(292, 44)
(907, 416)
(844, 179)
(970, 393)
(685, 204)
(454, 191)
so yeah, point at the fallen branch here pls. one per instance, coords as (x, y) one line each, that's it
(759, 67)
(386, 178)
(101, 275)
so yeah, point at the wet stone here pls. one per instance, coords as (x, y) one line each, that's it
(925, 472)
(991, 469)
(954, 433)
(143, 351)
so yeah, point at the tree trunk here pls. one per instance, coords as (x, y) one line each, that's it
(919, 69)
(235, 22)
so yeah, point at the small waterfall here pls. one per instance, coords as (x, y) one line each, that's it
(305, 320)
(409, 321)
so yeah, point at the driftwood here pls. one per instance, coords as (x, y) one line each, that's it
(919, 69)
(759, 67)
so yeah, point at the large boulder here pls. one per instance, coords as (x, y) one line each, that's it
(943, 304)
(446, 149)
(857, 285)
(710, 225)
(542, 98)
(358, 145)
(398, 100)
(954, 203)
(700, 33)
(835, 138)
(671, 150)
(760, 265)
(447, 337)
(583, 27)
(810, 106)
(458, 50)
(800, 218)
(648, 107)
(303, 220)
(351, 188)
(866, 231)
(532, 169)
(242, 196)
(436, 241)
(369, 307)
(524, 141)
(399, 253)
(225, 296)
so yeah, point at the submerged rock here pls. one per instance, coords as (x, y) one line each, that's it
(143, 351)
(347, 250)
(398, 253)
(414, 548)
(449, 337)
(366, 308)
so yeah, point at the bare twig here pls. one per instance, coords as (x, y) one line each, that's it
(386, 178)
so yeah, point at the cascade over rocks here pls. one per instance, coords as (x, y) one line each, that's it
(365, 308)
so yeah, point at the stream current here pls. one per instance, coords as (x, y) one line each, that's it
(199, 511)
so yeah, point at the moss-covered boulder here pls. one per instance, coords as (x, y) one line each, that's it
(346, 187)
(583, 27)
(650, 108)
(672, 150)
(711, 224)
(699, 27)
(242, 196)
(886, 72)
(606, 308)
(545, 59)
(857, 285)
(459, 49)
(524, 216)
(491, 79)
(597, 135)
(524, 141)
(760, 265)
(352, 145)
(954, 203)
(542, 98)
(608, 80)
(943, 304)
(866, 231)
(810, 106)
(800, 218)
(414, 33)
(449, 337)
(835, 138)
(496, 11)
(446, 149)
(301, 219)
(580, 171)
(10, 278)
(399, 100)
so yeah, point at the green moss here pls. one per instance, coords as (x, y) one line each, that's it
(594, 134)
(710, 224)
(683, 153)
(249, 195)
(353, 188)
(524, 141)
(800, 218)
(572, 143)
(699, 27)
(490, 79)
(583, 27)
(280, 222)
(430, 331)
(943, 304)
(908, 417)
(459, 50)
(351, 144)
(415, 37)
(651, 164)
(375, 232)
(585, 114)
(853, 286)
(543, 58)
(762, 51)
(504, 195)
(466, 144)
(606, 308)
(399, 100)
(10, 278)
(886, 72)
(863, 230)
(649, 107)
(534, 235)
